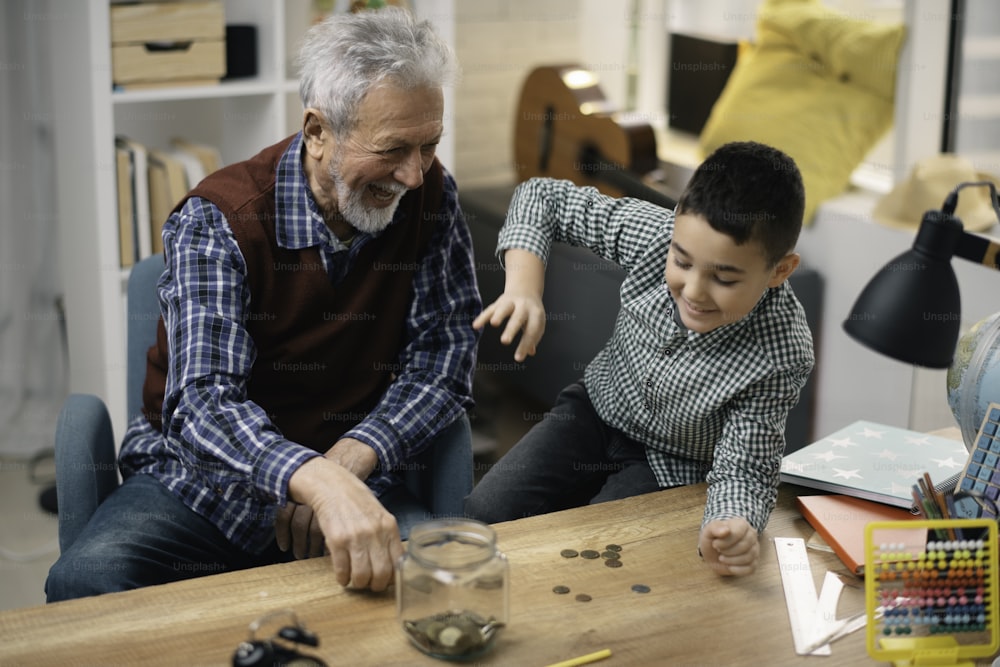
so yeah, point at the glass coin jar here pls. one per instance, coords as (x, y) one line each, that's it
(452, 588)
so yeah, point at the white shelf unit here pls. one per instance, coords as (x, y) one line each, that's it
(239, 117)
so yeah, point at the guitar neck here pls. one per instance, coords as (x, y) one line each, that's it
(608, 172)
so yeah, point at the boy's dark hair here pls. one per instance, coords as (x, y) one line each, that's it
(749, 191)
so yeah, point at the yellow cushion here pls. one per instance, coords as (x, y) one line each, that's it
(817, 85)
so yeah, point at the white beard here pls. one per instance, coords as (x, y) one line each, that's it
(352, 206)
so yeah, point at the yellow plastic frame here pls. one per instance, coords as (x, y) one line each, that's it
(941, 649)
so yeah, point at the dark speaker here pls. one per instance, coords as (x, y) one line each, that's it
(699, 69)
(241, 51)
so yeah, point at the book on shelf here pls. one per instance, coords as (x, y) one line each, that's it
(193, 170)
(207, 155)
(840, 521)
(141, 231)
(127, 250)
(875, 462)
(168, 184)
(151, 181)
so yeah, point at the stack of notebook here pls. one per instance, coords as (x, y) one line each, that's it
(875, 462)
(872, 469)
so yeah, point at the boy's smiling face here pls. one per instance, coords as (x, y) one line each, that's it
(714, 281)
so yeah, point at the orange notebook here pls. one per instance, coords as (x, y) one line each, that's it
(841, 521)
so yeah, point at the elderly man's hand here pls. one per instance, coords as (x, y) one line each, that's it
(296, 526)
(361, 537)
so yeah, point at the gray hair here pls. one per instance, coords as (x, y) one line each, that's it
(342, 57)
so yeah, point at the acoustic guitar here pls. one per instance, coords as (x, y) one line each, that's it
(566, 128)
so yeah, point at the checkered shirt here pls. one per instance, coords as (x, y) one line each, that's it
(709, 407)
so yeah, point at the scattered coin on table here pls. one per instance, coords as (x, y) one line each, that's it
(613, 547)
(560, 590)
(611, 554)
(583, 597)
(613, 562)
(640, 588)
(590, 554)
(569, 553)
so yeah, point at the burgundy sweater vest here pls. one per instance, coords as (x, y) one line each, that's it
(325, 353)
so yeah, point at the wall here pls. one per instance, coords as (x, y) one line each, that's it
(32, 361)
(498, 42)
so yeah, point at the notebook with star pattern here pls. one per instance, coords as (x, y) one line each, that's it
(875, 462)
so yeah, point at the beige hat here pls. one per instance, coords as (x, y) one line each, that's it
(930, 182)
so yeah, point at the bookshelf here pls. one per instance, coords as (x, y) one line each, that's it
(240, 117)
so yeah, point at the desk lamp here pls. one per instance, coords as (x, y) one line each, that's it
(911, 309)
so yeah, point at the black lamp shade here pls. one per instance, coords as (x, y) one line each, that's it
(910, 311)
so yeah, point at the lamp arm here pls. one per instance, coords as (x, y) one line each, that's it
(979, 249)
(976, 248)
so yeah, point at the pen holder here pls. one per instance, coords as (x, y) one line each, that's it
(452, 588)
(931, 591)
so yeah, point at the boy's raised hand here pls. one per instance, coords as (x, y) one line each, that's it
(730, 546)
(520, 305)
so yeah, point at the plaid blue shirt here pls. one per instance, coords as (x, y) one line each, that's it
(219, 452)
(707, 406)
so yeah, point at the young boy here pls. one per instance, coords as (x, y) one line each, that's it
(708, 354)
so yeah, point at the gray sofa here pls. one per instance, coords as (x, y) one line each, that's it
(581, 301)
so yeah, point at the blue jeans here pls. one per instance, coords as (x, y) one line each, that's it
(139, 536)
(570, 458)
(142, 535)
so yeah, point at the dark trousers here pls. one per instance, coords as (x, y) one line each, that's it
(570, 458)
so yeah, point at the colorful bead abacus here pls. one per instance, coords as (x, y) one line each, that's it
(931, 589)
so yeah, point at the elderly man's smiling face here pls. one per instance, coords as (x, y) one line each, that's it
(361, 178)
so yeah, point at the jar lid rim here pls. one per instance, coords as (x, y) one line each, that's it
(439, 532)
(453, 525)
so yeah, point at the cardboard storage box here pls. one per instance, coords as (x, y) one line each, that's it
(167, 43)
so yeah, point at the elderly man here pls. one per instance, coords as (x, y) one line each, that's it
(316, 336)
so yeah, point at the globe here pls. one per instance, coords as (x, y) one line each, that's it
(974, 376)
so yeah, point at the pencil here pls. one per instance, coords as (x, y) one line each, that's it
(949, 503)
(584, 659)
(918, 501)
(939, 505)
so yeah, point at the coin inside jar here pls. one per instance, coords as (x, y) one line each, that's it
(560, 590)
(453, 634)
(613, 562)
(569, 553)
(590, 554)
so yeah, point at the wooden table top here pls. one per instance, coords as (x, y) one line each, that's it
(690, 615)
